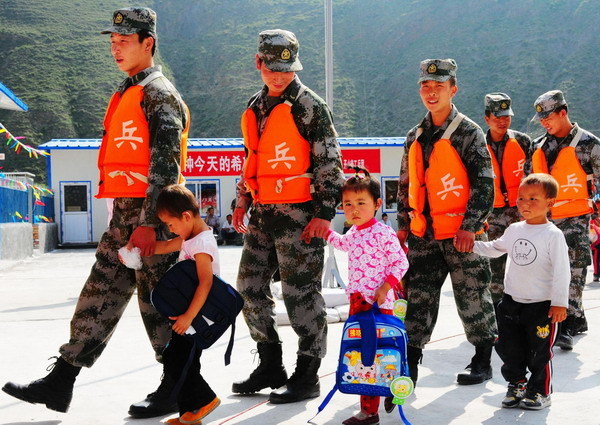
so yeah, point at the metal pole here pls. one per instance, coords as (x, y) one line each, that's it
(329, 53)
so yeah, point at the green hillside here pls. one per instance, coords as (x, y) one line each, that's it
(54, 59)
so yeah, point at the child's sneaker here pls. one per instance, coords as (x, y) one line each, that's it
(195, 417)
(514, 394)
(536, 401)
(175, 421)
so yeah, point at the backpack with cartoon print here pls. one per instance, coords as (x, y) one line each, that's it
(372, 358)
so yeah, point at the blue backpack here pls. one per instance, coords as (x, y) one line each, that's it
(372, 359)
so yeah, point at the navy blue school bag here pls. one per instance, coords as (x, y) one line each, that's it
(174, 292)
(372, 359)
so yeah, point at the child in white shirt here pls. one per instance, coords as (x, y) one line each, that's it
(536, 294)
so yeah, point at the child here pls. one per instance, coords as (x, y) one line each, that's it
(595, 245)
(177, 208)
(376, 263)
(536, 294)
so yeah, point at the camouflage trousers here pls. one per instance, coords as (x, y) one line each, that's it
(498, 221)
(109, 288)
(273, 240)
(576, 231)
(430, 262)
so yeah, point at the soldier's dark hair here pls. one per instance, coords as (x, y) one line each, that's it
(453, 81)
(562, 107)
(362, 180)
(548, 183)
(176, 199)
(144, 34)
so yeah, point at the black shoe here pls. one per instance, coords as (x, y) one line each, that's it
(581, 325)
(55, 390)
(480, 368)
(302, 385)
(414, 356)
(158, 403)
(514, 394)
(388, 404)
(564, 340)
(269, 373)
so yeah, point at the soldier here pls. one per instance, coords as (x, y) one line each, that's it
(572, 156)
(445, 194)
(511, 159)
(291, 184)
(145, 131)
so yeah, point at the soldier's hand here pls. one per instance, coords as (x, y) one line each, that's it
(316, 228)
(464, 241)
(402, 236)
(145, 239)
(238, 220)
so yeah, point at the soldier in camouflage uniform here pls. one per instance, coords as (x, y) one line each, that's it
(552, 111)
(111, 284)
(432, 257)
(283, 232)
(498, 116)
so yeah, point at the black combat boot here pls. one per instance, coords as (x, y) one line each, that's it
(269, 373)
(303, 384)
(480, 369)
(159, 403)
(414, 356)
(581, 325)
(55, 390)
(566, 332)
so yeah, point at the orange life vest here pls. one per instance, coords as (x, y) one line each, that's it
(445, 183)
(275, 169)
(573, 196)
(511, 172)
(124, 157)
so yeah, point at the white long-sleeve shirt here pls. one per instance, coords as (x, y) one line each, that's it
(537, 268)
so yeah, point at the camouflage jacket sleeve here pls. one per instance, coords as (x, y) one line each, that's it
(469, 141)
(166, 117)
(315, 123)
(402, 197)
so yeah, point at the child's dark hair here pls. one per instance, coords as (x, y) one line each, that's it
(548, 183)
(175, 200)
(362, 180)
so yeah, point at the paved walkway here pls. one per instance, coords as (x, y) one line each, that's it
(37, 297)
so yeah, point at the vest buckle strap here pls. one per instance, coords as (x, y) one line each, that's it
(129, 176)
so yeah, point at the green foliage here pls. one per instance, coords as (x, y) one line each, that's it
(55, 59)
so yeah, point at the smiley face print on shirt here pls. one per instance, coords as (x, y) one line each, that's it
(523, 252)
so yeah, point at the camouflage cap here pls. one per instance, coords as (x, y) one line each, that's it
(498, 104)
(132, 20)
(437, 70)
(548, 103)
(278, 49)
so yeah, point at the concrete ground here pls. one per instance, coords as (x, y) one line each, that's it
(37, 297)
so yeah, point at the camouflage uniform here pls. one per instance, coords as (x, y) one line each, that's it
(274, 230)
(576, 229)
(502, 217)
(111, 284)
(431, 260)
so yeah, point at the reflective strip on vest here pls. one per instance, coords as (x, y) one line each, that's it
(511, 172)
(573, 197)
(445, 183)
(276, 165)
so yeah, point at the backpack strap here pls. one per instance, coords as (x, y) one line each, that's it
(325, 402)
(401, 413)
(368, 335)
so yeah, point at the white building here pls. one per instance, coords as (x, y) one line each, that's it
(213, 168)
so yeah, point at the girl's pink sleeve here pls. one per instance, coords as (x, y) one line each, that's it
(338, 241)
(398, 261)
